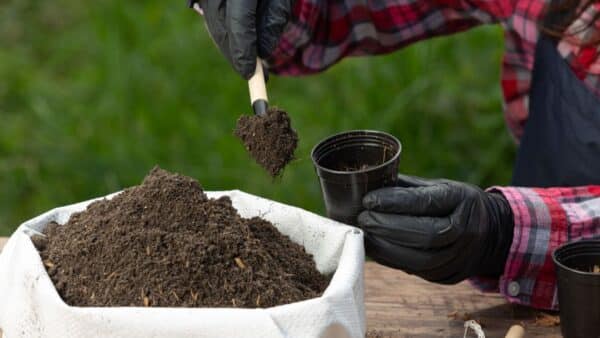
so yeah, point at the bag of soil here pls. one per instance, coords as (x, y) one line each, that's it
(81, 304)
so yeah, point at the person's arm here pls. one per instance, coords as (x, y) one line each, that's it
(244, 29)
(544, 219)
(502, 239)
(320, 32)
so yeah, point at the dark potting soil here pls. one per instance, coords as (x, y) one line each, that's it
(269, 139)
(164, 243)
(587, 268)
(357, 167)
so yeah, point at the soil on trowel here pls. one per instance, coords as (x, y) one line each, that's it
(164, 243)
(269, 139)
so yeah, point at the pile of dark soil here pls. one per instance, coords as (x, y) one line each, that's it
(269, 139)
(164, 243)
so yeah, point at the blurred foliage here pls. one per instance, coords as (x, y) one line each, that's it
(92, 95)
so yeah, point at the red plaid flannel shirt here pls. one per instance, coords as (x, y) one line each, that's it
(544, 219)
(323, 32)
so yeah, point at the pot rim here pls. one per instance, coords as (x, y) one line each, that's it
(353, 172)
(572, 243)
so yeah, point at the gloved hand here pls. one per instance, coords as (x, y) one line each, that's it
(244, 28)
(441, 230)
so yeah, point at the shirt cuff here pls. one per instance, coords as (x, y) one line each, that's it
(529, 276)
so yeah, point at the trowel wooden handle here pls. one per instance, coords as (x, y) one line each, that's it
(515, 331)
(258, 90)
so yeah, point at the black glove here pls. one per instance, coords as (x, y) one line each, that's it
(243, 28)
(441, 230)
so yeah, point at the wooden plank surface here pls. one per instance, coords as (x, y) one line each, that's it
(399, 305)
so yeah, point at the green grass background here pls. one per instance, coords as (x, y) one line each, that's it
(93, 94)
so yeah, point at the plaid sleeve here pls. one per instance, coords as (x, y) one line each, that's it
(544, 219)
(321, 32)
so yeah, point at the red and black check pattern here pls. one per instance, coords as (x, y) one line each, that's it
(544, 219)
(322, 32)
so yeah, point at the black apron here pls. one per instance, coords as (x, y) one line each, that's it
(561, 143)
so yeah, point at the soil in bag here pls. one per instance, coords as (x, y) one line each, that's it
(164, 243)
(269, 139)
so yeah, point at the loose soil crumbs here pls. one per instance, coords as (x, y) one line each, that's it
(383, 334)
(269, 139)
(464, 316)
(543, 319)
(374, 334)
(164, 243)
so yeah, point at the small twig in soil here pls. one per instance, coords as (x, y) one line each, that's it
(239, 263)
(175, 294)
(194, 296)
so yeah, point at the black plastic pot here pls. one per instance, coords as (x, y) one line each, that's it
(352, 163)
(578, 288)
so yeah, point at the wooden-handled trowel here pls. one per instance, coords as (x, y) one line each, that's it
(258, 90)
(267, 135)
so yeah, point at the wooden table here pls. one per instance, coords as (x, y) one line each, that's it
(399, 305)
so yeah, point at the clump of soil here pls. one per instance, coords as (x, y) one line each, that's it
(269, 139)
(164, 243)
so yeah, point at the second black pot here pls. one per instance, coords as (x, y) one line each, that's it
(578, 288)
